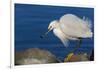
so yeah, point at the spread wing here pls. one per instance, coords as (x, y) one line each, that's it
(74, 26)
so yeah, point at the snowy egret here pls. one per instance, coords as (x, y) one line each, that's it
(70, 27)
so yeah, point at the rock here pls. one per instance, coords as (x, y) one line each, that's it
(76, 57)
(34, 56)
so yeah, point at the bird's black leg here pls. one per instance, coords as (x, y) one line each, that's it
(78, 44)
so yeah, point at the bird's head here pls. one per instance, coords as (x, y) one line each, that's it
(52, 25)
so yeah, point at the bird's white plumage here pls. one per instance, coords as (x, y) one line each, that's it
(61, 36)
(71, 27)
(74, 26)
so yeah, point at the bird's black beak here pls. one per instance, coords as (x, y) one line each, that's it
(45, 34)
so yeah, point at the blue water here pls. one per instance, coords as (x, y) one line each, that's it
(31, 21)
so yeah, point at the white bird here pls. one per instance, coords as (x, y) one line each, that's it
(70, 27)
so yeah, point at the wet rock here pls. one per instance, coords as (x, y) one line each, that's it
(34, 56)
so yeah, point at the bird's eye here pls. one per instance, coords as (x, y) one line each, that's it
(50, 26)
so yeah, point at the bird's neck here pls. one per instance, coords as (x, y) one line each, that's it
(58, 33)
(56, 26)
